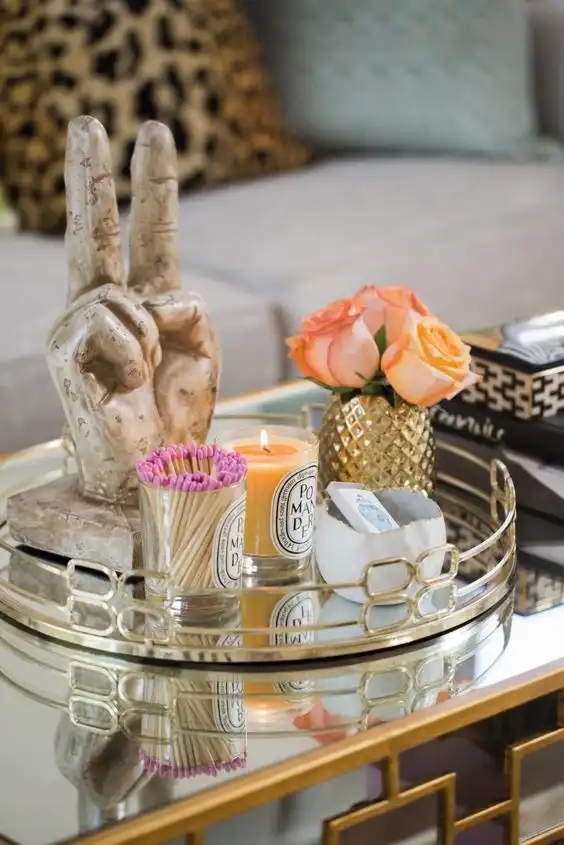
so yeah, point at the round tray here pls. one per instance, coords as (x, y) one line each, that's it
(103, 694)
(85, 604)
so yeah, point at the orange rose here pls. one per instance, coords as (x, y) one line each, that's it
(428, 362)
(319, 718)
(334, 727)
(335, 347)
(388, 307)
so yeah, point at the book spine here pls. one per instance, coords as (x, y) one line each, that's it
(465, 421)
(532, 493)
(531, 438)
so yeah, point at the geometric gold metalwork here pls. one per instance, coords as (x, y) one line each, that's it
(506, 811)
(514, 757)
(443, 787)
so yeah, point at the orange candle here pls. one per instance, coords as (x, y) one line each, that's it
(281, 487)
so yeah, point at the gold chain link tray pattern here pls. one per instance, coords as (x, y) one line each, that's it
(88, 605)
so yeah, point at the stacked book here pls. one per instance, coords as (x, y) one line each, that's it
(516, 414)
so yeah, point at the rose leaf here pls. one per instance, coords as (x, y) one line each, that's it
(380, 340)
(341, 390)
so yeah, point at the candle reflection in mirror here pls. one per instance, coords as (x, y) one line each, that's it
(287, 614)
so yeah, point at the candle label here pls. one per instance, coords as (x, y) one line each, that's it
(289, 687)
(228, 707)
(295, 611)
(227, 553)
(293, 512)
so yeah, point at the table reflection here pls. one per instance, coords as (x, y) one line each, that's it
(130, 737)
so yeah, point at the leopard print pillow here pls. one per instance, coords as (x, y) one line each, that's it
(192, 64)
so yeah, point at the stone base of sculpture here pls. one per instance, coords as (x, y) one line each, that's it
(55, 518)
(47, 582)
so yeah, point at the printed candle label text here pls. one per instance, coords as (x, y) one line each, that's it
(228, 703)
(293, 512)
(295, 611)
(227, 554)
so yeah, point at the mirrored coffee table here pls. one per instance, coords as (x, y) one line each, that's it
(453, 738)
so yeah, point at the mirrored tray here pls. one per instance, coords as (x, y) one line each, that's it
(105, 695)
(85, 604)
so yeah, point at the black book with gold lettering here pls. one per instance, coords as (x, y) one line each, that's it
(540, 438)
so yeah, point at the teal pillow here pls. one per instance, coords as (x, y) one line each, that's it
(403, 75)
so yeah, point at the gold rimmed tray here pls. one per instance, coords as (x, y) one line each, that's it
(84, 604)
(103, 694)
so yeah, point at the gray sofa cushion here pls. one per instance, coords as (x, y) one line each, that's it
(479, 242)
(415, 75)
(33, 285)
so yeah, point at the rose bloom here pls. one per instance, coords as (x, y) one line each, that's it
(334, 727)
(388, 307)
(335, 347)
(320, 718)
(428, 362)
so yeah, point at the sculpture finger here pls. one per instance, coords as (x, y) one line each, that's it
(110, 354)
(92, 236)
(174, 312)
(137, 320)
(183, 322)
(153, 238)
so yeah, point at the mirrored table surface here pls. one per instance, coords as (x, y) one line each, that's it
(89, 740)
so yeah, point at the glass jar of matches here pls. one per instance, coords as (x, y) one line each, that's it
(192, 501)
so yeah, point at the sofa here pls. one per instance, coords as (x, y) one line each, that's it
(479, 240)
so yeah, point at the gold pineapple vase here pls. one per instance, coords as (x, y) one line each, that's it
(368, 441)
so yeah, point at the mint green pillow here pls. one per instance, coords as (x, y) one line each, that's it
(403, 75)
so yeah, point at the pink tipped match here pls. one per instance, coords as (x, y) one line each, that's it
(212, 769)
(164, 468)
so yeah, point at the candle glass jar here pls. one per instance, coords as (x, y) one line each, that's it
(281, 493)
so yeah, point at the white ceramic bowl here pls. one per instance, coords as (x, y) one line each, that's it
(342, 553)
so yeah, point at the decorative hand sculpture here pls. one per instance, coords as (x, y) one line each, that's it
(135, 362)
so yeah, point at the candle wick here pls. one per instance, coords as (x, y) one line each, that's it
(267, 450)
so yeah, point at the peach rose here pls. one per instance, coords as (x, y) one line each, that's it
(319, 718)
(428, 362)
(335, 347)
(334, 727)
(388, 306)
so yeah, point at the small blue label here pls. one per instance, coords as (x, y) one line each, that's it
(377, 517)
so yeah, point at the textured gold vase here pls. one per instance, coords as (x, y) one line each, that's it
(368, 441)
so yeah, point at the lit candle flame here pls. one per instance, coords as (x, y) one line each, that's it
(264, 440)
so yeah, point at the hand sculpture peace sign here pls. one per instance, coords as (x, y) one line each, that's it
(135, 361)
